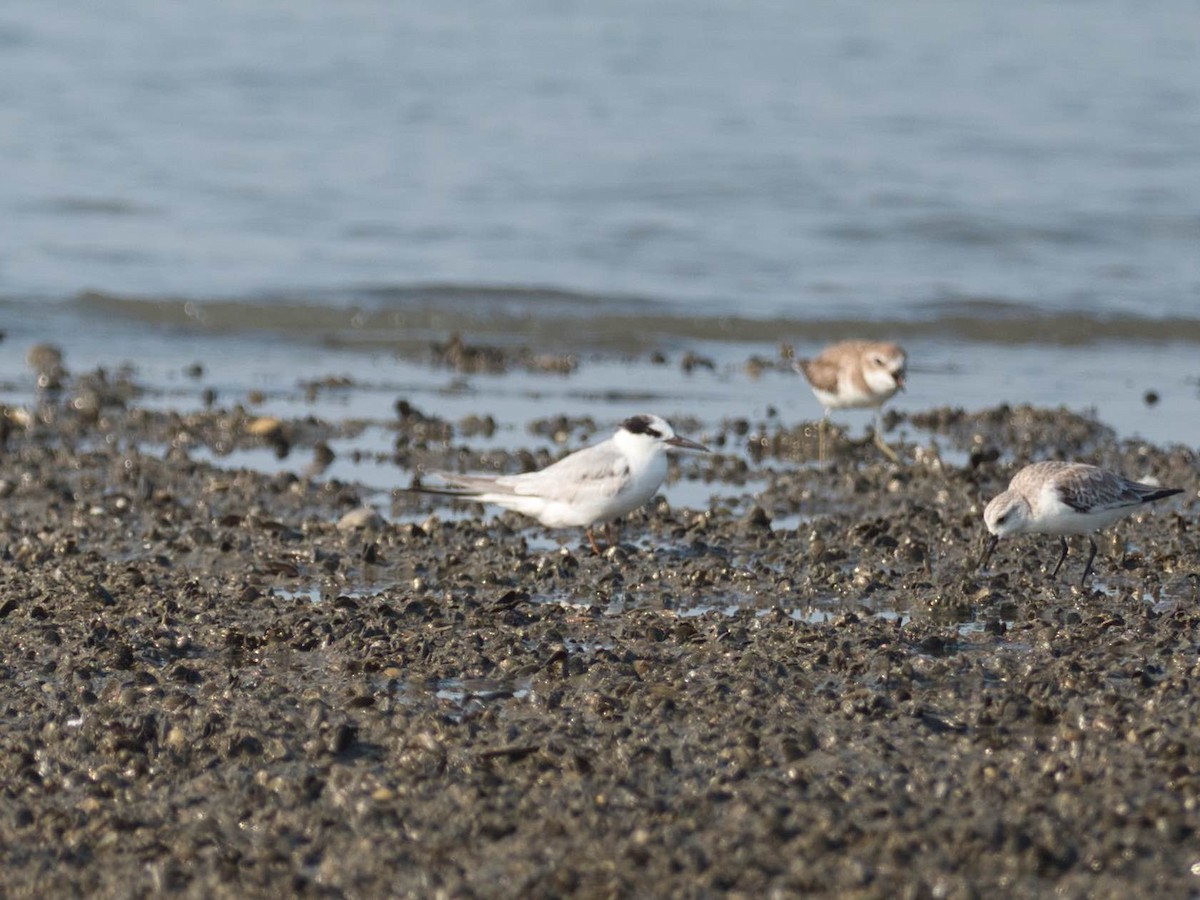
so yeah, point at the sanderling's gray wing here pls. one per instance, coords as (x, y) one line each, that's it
(1088, 489)
(599, 471)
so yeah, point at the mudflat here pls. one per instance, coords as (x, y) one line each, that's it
(228, 683)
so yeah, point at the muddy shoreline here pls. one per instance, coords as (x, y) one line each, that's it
(215, 683)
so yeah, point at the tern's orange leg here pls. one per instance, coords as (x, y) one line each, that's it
(592, 539)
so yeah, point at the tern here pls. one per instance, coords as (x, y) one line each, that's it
(591, 486)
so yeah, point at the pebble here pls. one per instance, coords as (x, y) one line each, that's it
(361, 518)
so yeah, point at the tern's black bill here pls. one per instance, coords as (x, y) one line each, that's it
(686, 444)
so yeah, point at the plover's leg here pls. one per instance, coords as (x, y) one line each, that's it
(1087, 570)
(822, 427)
(592, 540)
(609, 534)
(1063, 538)
(879, 441)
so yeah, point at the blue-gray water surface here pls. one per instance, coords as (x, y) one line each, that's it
(1013, 188)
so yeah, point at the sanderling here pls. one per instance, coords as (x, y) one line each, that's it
(1065, 498)
(593, 485)
(858, 374)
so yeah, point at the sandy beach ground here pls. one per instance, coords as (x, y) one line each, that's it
(221, 682)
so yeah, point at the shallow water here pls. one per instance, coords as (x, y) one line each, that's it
(803, 161)
(1109, 376)
(289, 191)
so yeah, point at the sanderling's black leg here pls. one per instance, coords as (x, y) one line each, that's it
(1054, 574)
(1087, 570)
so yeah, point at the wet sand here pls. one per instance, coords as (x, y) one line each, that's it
(218, 683)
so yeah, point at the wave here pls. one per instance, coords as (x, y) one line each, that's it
(399, 315)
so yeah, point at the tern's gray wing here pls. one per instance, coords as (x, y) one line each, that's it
(599, 471)
(463, 485)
